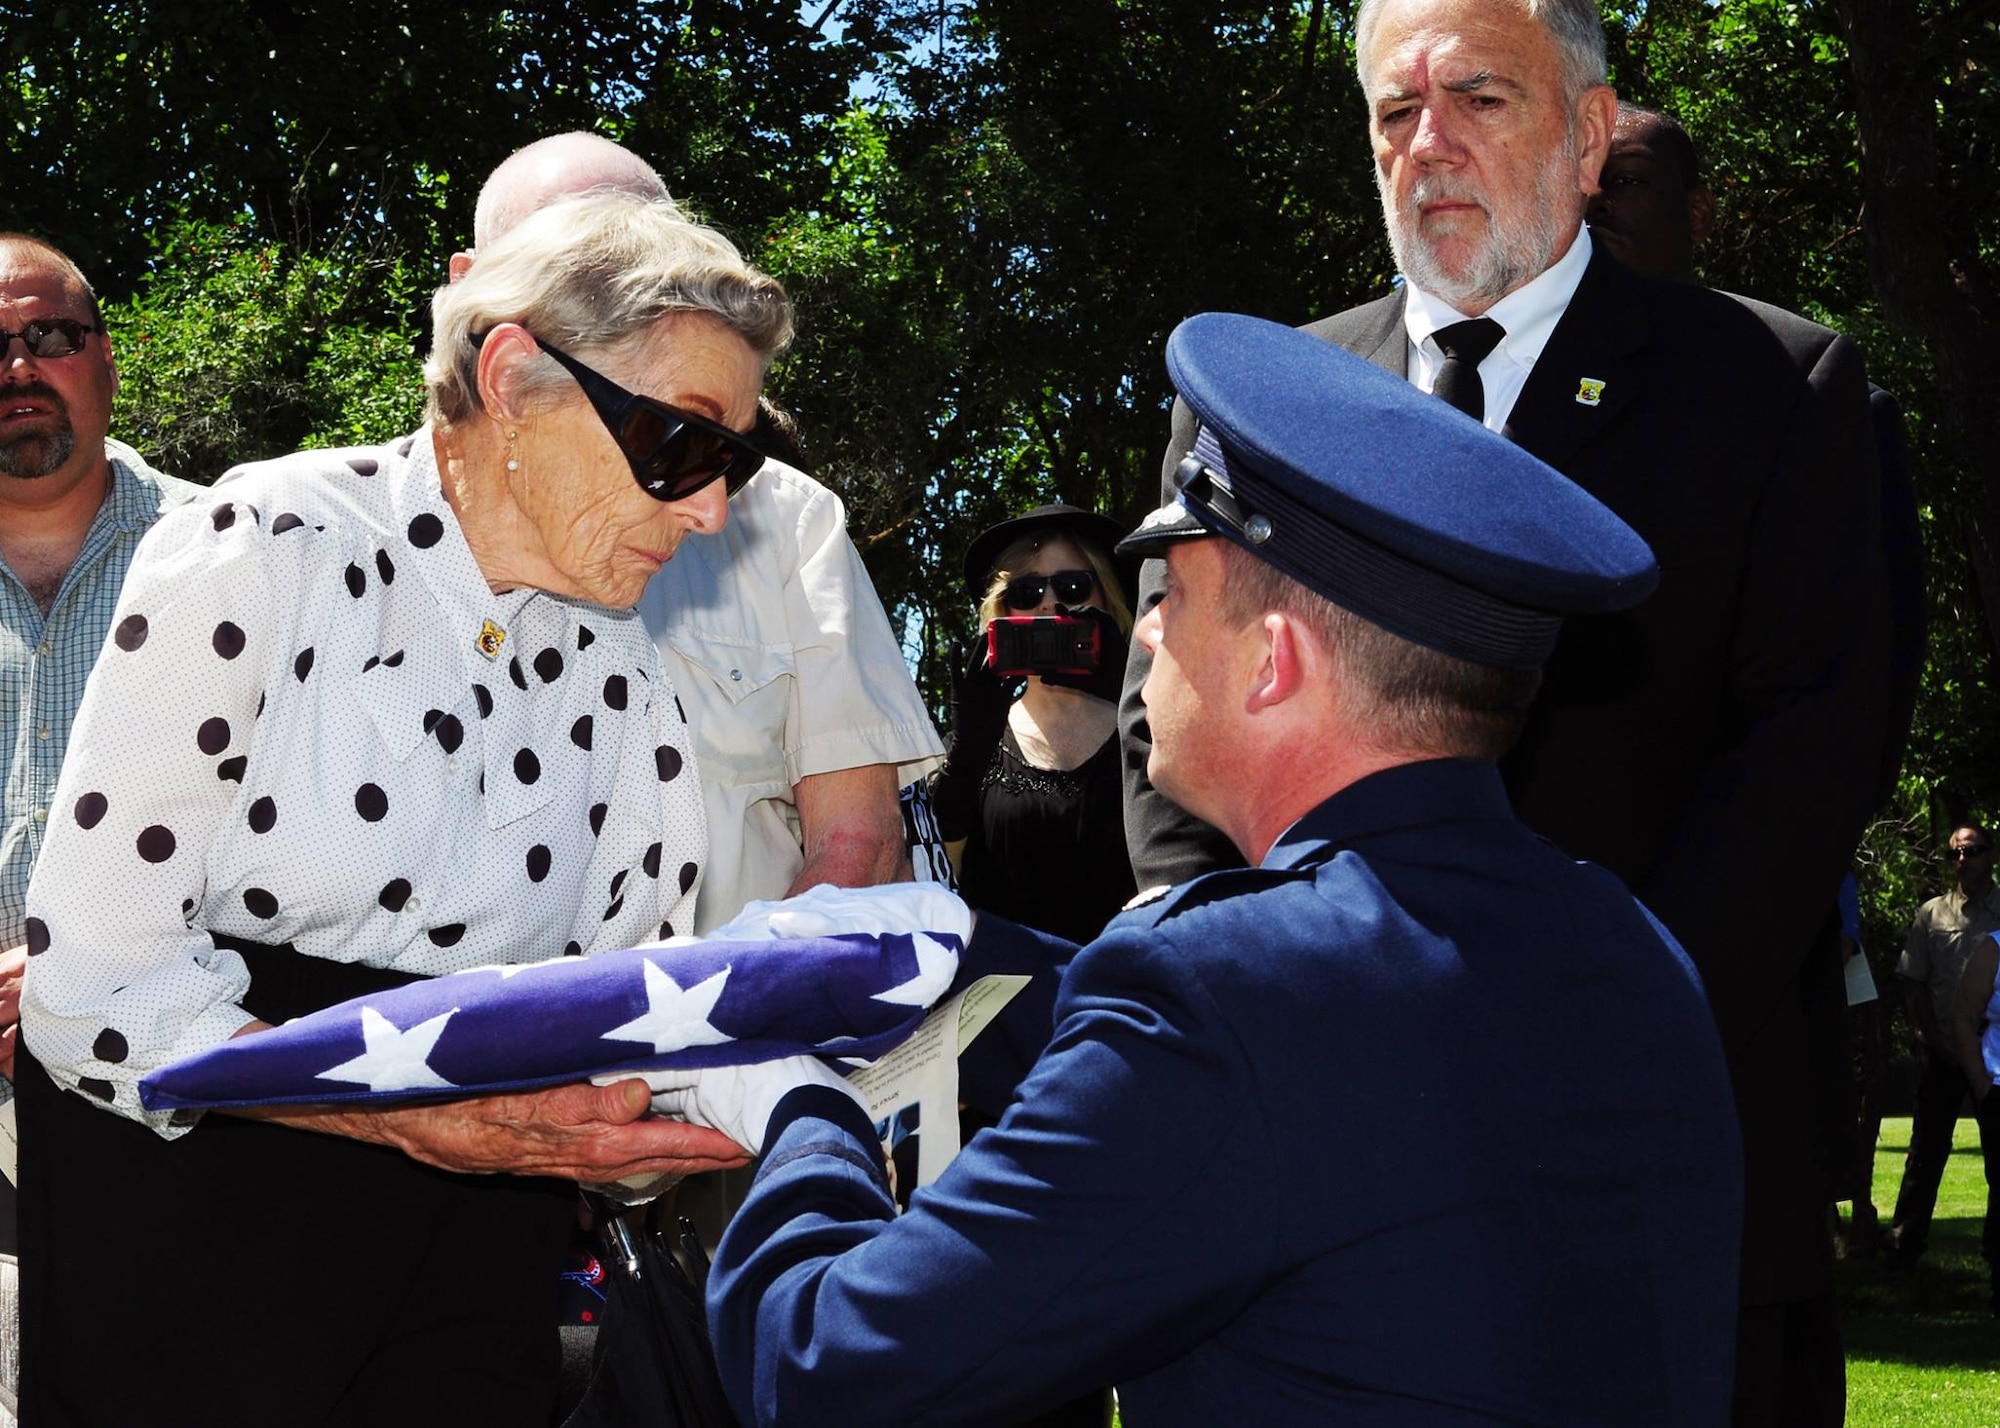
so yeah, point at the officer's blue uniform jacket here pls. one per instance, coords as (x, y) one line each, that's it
(1421, 1122)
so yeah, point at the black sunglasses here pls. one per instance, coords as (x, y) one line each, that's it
(1954, 854)
(49, 337)
(1024, 592)
(673, 453)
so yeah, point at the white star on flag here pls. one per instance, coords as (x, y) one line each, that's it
(395, 1060)
(674, 1018)
(937, 964)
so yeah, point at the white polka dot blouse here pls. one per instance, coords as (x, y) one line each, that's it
(314, 724)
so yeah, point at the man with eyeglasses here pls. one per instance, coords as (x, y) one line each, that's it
(1942, 938)
(73, 505)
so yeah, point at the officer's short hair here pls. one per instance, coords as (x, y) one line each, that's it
(1417, 699)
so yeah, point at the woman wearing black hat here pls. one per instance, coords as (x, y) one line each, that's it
(1031, 787)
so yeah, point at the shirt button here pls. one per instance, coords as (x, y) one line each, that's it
(43, 732)
(737, 675)
(42, 648)
(415, 904)
(41, 815)
(451, 765)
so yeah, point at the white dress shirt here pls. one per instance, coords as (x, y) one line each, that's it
(293, 736)
(1529, 314)
(785, 661)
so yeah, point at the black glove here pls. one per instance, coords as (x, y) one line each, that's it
(1107, 681)
(980, 700)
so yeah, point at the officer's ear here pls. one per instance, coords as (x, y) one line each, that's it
(1285, 660)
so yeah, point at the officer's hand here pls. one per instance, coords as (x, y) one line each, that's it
(738, 1100)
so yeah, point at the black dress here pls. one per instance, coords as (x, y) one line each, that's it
(1046, 847)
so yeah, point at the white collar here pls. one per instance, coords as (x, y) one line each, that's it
(1529, 313)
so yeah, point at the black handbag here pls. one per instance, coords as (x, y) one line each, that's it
(653, 1365)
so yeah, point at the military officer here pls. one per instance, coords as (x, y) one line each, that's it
(1310, 1141)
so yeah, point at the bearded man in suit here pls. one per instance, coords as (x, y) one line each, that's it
(1718, 747)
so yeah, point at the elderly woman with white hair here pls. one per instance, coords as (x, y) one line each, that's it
(365, 717)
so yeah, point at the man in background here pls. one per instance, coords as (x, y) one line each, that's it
(1720, 746)
(1943, 936)
(73, 506)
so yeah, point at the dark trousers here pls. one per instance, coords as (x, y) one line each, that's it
(251, 1274)
(1790, 1370)
(1989, 1146)
(1941, 1093)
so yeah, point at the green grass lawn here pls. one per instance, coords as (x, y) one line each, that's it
(1923, 1349)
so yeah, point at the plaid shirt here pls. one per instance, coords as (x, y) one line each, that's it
(45, 662)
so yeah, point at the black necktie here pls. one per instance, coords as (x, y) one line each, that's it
(1465, 345)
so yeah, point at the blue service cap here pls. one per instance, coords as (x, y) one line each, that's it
(1384, 499)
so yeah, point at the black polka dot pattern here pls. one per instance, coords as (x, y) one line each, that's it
(97, 1088)
(224, 517)
(689, 872)
(371, 730)
(363, 466)
(667, 759)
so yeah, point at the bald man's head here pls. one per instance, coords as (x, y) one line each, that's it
(558, 167)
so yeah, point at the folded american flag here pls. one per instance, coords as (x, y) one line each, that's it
(685, 1005)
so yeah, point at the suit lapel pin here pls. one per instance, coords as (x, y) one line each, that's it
(1589, 391)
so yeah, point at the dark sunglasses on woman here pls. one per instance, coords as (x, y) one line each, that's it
(673, 453)
(49, 337)
(1024, 592)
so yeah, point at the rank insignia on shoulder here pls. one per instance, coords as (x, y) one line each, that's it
(1589, 391)
(1140, 899)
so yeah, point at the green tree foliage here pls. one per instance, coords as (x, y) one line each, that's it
(235, 349)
